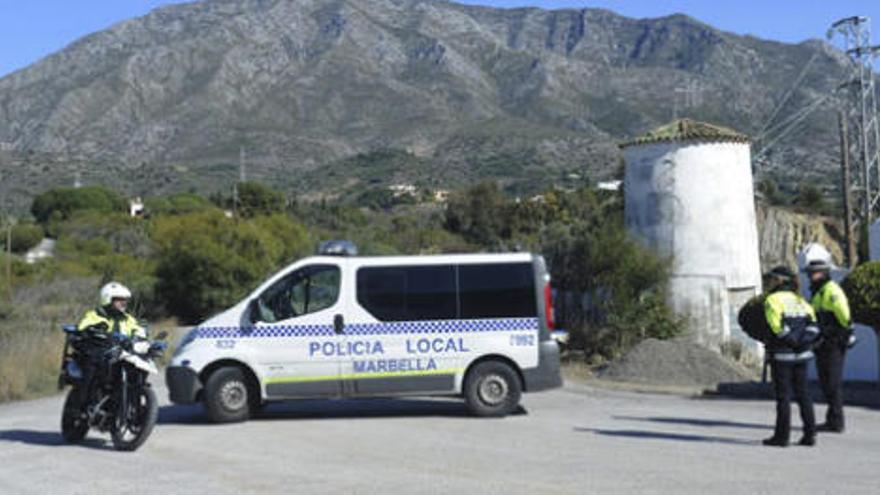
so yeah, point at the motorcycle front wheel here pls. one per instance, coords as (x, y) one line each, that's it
(131, 432)
(74, 426)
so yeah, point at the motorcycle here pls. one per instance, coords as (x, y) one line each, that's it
(109, 391)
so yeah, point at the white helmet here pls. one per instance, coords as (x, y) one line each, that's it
(114, 290)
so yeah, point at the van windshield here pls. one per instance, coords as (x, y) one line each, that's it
(299, 293)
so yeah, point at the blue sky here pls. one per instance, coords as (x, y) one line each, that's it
(30, 30)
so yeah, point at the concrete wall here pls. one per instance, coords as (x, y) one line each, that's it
(862, 360)
(695, 202)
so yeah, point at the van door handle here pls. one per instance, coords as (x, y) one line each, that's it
(338, 324)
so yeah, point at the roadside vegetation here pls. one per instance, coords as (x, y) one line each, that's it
(190, 256)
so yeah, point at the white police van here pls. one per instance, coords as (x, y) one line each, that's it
(472, 325)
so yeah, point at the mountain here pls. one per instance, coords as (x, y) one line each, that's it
(178, 98)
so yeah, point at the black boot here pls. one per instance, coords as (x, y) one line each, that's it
(828, 428)
(776, 442)
(807, 441)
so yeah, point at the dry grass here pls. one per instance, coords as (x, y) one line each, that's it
(31, 340)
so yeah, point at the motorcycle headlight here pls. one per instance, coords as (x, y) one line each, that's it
(141, 347)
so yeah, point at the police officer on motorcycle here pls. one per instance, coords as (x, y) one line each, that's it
(832, 309)
(109, 317)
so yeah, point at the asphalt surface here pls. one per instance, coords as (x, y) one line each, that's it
(574, 440)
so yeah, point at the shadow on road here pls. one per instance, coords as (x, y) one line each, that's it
(331, 409)
(659, 435)
(708, 423)
(46, 439)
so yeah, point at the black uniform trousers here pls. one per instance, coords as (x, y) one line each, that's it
(791, 378)
(829, 364)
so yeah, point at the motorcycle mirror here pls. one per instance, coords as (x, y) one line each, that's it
(162, 335)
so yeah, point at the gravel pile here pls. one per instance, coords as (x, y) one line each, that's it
(677, 362)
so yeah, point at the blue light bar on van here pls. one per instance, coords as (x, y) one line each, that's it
(337, 248)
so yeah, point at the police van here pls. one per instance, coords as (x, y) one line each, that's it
(476, 326)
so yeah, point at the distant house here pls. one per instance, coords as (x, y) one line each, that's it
(611, 185)
(136, 207)
(402, 189)
(45, 249)
(441, 195)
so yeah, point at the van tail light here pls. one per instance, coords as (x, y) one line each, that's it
(548, 306)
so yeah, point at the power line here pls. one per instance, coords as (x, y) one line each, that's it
(861, 107)
(789, 93)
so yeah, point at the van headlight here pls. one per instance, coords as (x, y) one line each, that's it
(187, 340)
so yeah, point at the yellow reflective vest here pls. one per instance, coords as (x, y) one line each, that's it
(126, 325)
(831, 305)
(791, 319)
(783, 305)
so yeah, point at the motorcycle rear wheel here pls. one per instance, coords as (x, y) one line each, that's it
(134, 430)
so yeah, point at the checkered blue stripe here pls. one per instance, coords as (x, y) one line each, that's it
(389, 328)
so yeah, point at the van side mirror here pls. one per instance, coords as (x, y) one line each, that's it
(254, 313)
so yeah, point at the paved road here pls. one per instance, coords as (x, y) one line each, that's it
(574, 440)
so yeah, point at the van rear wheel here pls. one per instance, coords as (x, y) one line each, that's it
(492, 389)
(227, 396)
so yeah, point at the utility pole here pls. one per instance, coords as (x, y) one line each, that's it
(691, 94)
(846, 185)
(242, 172)
(9, 256)
(865, 178)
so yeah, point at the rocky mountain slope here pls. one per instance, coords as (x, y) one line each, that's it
(173, 99)
(783, 233)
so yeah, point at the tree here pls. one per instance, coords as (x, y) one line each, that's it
(60, 203)
(862, 287)
(206, 262)
(177, 204)
(810, 199)
(591, 257)
(256, 199)
(24, 237)
(479, 214)
(771, 193)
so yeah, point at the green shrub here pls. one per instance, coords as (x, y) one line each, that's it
(24, 237)
(480, 214)
(60, 203)
(625, 282)
(862, 287)
(207, 262)
(176, 204)
(256, 199)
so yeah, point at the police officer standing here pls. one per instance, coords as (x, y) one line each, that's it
(792, 321)
(832, 309)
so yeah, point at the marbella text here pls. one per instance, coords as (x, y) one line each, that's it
(373, 350)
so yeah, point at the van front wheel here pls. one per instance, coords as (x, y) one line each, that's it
(226, 396)
(492, 389)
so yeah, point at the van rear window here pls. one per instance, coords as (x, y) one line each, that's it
(442, 292)
(408, 293)
(504, 290)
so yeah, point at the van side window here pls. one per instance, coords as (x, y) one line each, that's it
(304, 291)
(408, 293)
(497, 290)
